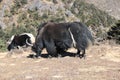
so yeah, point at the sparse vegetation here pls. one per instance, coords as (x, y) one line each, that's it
(28, 19)
(114, 33)
(17, 5)
(2, 41)
(91, 15)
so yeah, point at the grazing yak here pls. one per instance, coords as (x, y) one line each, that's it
(24, 39)
(58, 37)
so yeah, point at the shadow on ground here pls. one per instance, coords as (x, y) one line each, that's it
(44, 55)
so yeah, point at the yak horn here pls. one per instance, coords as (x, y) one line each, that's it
(28, 43)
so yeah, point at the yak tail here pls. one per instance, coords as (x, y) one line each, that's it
(88, 33)
(82, 35)
(28, 43)
(89, 36)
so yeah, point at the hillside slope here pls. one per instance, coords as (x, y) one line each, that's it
(18, 16)
(44, 10)
(112, 7)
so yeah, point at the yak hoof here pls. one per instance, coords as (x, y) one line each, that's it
(82, 56)
(33, 56)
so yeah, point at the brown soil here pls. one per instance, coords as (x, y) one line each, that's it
(101, 63)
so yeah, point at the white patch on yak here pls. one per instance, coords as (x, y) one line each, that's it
(11, 39)
(32, 38)
(28, 43)
(73, 40)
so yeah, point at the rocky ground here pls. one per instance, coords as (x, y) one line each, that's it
(101, 63)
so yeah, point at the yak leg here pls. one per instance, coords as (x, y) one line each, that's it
(38, 54)
(78, 53)
(83, 54)
(37, 50)
(51, 48)
(51, 51)
(60, 51)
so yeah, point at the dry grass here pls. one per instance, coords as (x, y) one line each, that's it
(102, 63)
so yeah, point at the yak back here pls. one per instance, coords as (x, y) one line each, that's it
(21, 40)
(62, 34)
(56, 31)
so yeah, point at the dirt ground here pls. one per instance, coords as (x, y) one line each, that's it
(102, 62)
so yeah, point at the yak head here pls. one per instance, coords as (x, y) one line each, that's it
(11, 43)
(12, 46)
(38, 45)
(35, 48)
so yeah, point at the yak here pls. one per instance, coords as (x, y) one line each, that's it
(17, 41)
(58, 37)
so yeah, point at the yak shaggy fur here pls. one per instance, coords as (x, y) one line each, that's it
(58, 37)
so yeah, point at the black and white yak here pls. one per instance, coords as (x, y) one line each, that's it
(58, 37)
(17, 41)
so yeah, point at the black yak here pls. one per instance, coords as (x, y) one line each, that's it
(24, 39)
(58, 37)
